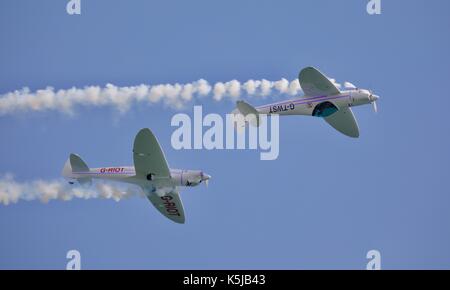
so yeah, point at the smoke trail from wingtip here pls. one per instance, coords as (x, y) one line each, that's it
(122, 98)
(12, 191)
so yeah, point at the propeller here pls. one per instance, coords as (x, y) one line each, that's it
(373, 99)
(205, 178)
(375, 108)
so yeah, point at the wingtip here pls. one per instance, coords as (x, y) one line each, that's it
(305, 70)
(145, 131)
(353, 135)
(73, 155)
(308, 68)
(181, 222)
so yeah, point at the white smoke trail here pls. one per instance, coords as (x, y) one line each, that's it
(173, 95)
(12, 191)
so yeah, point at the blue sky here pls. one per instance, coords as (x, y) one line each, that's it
(324, 203)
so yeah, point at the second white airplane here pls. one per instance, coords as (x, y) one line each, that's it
(150, 171)
(322, 99)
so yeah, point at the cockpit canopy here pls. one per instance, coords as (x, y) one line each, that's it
(324, 109)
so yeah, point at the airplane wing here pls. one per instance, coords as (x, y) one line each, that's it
(344, 121)
(314, 83)
(169, 205)
(148, 156)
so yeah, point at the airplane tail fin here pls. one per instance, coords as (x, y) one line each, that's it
(246, 110)
(74, 169)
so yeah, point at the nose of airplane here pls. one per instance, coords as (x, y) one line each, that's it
(373, 99)
(206, 178)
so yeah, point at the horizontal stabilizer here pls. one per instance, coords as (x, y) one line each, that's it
(74, 168)
(246, 109)
(77, 164)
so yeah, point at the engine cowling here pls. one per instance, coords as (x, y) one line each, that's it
(190, 177)
(187, 177)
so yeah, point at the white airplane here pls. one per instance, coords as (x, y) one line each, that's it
(150, 171)
(322, 99)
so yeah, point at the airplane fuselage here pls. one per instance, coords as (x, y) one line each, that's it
(178, 177)
(307, 105)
